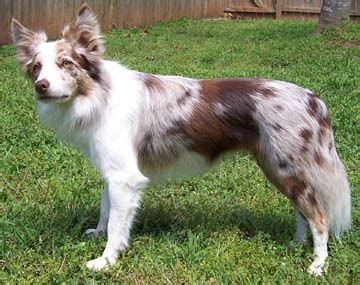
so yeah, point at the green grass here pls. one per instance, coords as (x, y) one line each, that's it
(228, 226)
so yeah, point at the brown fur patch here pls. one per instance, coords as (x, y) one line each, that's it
(153, 83)
(321, 135)
(321, 222)
(330, 146)
(306, 134)
(302, 175)
(268, 92)
(212, 134)
(294, 187)
(304, 149)
(85, 83)
(312, 106)
(311, 199)
(313, 110)
(183, 99)
(305, 200)
(178, 127)
(324, 122)
(318, 158)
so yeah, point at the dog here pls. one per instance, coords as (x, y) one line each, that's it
(138, 127)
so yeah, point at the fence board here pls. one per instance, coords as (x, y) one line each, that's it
(52, 15)
(303, 9)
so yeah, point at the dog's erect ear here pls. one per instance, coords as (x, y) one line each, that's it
(25, 41)
(84, 35)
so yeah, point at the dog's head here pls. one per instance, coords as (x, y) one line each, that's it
(62, 69)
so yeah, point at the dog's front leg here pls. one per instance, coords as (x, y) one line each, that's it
(124, 198)
(104, 214)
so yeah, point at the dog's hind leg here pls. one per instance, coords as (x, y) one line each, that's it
(301, 229)
(104, 214)
(311, 207)
(295, 183)
(320, 233)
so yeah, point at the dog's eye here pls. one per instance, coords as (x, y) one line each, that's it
(67, 63)
(36, 68)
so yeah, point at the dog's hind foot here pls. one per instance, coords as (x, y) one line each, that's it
(296, 242)
(95, 232)
(317, 268)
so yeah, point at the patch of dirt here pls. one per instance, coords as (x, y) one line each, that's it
(350, 45)
(345, 44)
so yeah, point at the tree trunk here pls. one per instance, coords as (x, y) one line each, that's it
(332, 13)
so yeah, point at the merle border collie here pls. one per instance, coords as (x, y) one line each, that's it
(138, 127)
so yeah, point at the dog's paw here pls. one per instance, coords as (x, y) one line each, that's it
(317, 268)
(296, 242)
(94, 232)
(100, 263)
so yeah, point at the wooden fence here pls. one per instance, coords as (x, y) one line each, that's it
(307, 9)
(52, 15)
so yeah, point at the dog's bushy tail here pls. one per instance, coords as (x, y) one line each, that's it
(339, 206)
(333, 186)
(335, 195)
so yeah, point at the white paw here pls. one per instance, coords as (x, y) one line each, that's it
(100, 263)
(94, 232)
(317, 268)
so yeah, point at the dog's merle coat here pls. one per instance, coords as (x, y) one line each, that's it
(136, 127)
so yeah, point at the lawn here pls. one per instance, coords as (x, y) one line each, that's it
(228, 226)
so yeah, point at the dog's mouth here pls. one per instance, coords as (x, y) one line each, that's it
(52, 98)
(47, 97)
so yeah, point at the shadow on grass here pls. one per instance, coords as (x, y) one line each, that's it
(157, 221)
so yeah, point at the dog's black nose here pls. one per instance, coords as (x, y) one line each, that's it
(42, 86)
